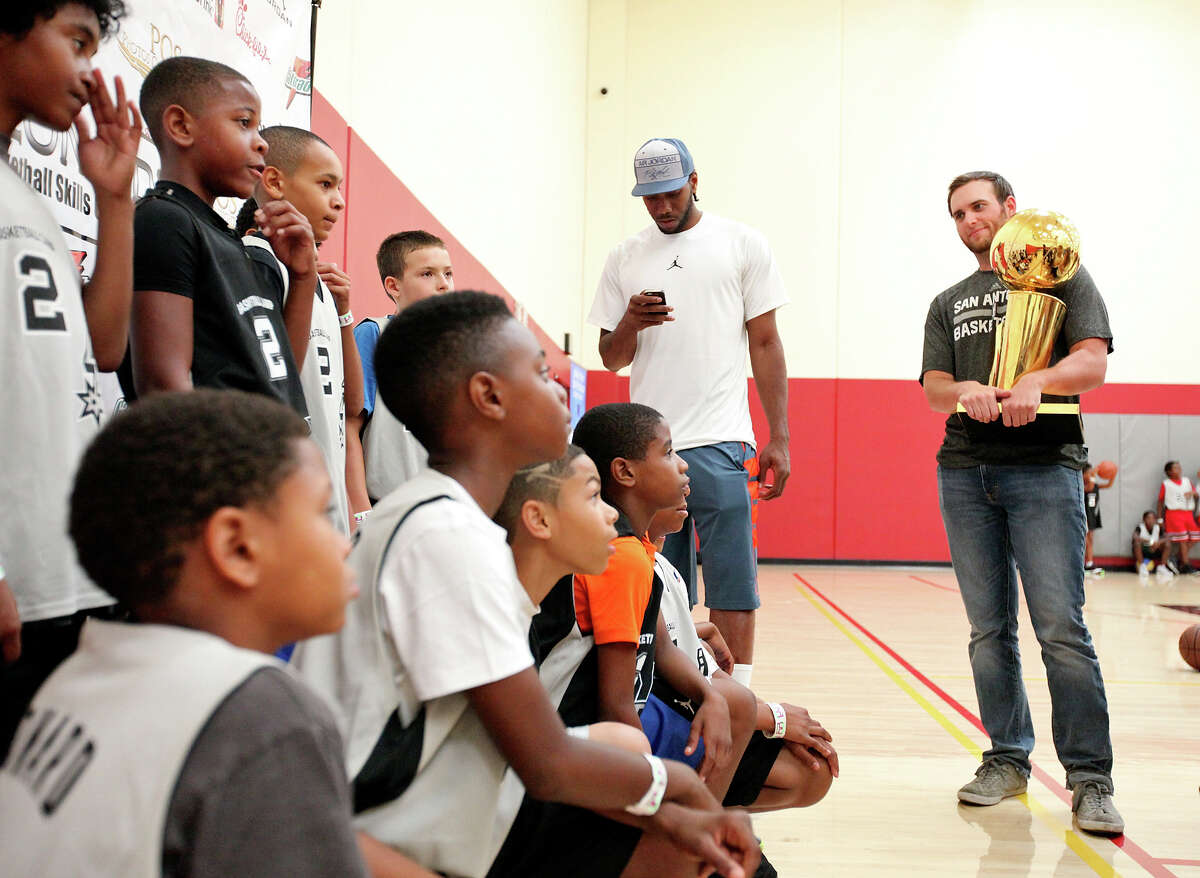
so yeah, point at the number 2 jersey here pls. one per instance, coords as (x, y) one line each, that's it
(50, 402)
(239, 340)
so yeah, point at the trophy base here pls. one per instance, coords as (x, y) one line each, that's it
(1057, 423)
(1045, 408)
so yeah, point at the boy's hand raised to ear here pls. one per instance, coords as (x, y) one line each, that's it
(108, 160)
(291, 237)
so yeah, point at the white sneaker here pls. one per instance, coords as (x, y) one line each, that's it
(1162, 574)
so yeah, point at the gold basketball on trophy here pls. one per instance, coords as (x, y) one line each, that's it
(1035, 250)
(1032, 254)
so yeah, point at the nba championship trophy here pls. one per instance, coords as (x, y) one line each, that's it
(1034, 252)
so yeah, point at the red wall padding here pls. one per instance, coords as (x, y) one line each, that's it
(862, 484)
(378, 204)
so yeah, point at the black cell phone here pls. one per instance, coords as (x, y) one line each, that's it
(662, 296)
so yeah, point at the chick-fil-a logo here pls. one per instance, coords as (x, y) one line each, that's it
(256, 46)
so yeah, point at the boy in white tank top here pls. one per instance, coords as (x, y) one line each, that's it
(305, 171)
(56, 334)
(413, 265)
(1176, 501)
(181, 729)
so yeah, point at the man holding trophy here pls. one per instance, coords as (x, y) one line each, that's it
(1007, 352)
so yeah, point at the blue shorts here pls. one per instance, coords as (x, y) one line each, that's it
(668, 730)
(722, 516)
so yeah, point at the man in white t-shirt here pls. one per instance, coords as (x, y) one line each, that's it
(682, 301)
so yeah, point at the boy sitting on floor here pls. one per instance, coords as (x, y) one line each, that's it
(203, 755)
(433, 672)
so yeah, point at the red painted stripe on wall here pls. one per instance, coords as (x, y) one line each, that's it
(864, 484)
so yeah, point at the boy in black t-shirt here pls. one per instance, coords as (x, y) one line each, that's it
(201, 317)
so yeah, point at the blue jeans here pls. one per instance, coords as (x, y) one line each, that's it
(1001, 519)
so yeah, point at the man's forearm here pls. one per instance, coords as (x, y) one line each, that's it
(618, 347)
(769, 366)
(107, 300)
(1080, 371)
(942, 391)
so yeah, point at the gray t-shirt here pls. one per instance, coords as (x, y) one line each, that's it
(960, 333)
(263, 791)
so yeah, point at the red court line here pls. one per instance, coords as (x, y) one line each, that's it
(1181, 862)
(1151, 864)
(926, 582)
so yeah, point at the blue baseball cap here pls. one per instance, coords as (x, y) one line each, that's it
(662, 164)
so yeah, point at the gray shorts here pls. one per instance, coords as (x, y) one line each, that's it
(722, 517)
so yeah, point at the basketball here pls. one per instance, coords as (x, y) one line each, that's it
(1106, 470)
(1189, 646)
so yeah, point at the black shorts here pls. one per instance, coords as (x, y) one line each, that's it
(752, 771)
(549, 840)
(1093, 517)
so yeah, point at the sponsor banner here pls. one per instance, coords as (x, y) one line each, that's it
(266, 40)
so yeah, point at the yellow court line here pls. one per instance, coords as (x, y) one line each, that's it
(1072, 839)
(1107, 681)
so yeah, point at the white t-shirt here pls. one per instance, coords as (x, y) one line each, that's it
(716, 275)
(677, 613)
(322, 377)
(441, 612)
(51, 404)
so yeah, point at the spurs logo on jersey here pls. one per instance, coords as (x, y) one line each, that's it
(50, 758)
(93, 403)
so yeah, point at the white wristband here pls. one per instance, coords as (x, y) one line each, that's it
(346, 319)
(780, 720)
(649, 804)
(360, 517)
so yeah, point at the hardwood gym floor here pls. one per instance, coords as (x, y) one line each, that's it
(879, 656)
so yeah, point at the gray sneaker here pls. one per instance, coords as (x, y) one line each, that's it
(994, 780)
(1094, 812)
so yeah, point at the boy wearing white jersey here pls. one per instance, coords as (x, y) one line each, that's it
(1148, 541)
(413, 265)
(202, 753)
(54, 336)
(1176, 500)
(304, 170)
(433, 672)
